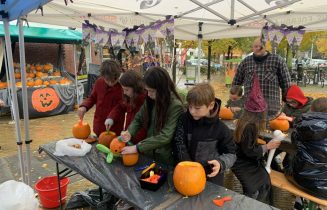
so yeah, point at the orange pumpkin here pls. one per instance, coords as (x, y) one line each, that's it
(3, 85)
(18, 84)
(278, 124)
(46, 83)
(17, 75)
(53, 82)
(130, 159)
(30, 83)
(47, 67)
(32, 67)
(38, 82)
(38, 67)
(45, 99)
(39, 74)
(31, 75)
(116, 146)
(189, 178)
(56, 73)
(226, 114)
(105, 138)
(81, 130)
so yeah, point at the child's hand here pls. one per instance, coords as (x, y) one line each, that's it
(80, 112)
(215, 168)
(126, 136)
(273, 144)
(2, 103)
(129, 150)
(283, 116)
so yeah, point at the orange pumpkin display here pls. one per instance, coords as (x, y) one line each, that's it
(38, 82)
(226, 114)
(45, 99)
(189, 178)
(278, 124)
(81, 130)
(130, 159)
(53, 82)
(116, 146)
(3, 85)
(105, 138)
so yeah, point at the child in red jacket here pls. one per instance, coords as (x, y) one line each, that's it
(106, 93)
(133, 98)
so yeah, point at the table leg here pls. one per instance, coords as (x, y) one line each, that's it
(101, 193)
(58, 177)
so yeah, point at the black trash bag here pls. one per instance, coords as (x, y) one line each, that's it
(310, 162)
(91, 198)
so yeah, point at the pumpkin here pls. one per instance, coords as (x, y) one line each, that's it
(189, 178)
(53, 82)
(130, 159)
(30, 83)
(116, 146)
(226, 114)
(45, 99)
(18, 84)
(31, 75)
(38, 82)
(17, 75)
(3, 85)
(46, 83)
(81, 130)
(39, 74)
(56, 73)
(279, 124)
(106, 137)
(38, 67)
(32, 67)
(47, 67)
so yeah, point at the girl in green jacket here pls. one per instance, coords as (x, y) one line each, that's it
(158, 115)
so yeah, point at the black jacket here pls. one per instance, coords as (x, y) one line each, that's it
(203, 140)
(310, 161)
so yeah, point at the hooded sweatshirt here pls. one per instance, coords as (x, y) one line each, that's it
(295, 93)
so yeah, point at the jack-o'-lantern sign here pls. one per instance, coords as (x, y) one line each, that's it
(45, 99)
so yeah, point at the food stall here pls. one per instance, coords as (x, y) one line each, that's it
(50, 89)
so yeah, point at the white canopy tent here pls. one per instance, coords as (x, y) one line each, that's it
(221, 18)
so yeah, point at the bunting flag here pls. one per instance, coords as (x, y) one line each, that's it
(88, 33)
(101, 38)
(117, 39)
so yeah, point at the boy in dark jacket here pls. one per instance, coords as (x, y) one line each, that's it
(200, 135)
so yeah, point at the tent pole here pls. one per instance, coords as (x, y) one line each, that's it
(14, 97)
(209, 60)
(198, 8)
(76, 81)
(25, 100)
(8, 80)
(209, 9)
(199, 51)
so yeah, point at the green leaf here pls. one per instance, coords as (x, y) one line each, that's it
(103, 148)
(110, 157)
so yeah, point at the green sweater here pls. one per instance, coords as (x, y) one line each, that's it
(158, 145)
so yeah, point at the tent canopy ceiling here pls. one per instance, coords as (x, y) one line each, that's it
(250, 15)
(45, 35)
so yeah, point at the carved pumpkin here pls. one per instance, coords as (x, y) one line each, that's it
(278, 124)
(105, 138)
(130, 159)
(3, 85)
(38, 82)
(116, 146)
(189, 178)
(226, 114)
(81, 130)
(45, 99)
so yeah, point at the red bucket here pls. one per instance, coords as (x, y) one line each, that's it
(47, 189)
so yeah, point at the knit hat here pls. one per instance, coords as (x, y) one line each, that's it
(295, 93)
(255, 101)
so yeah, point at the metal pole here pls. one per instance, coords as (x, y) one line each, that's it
(25, 100)
(199, 51)
(76, 80)
(14, 96)
(209, 59)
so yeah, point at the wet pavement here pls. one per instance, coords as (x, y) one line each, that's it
(48, 129)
